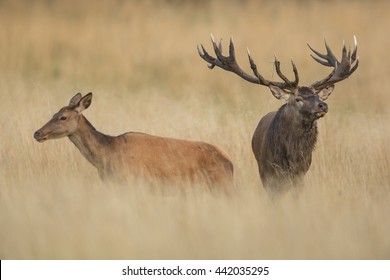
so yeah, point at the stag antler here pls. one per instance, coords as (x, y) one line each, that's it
(229, 63)
(341, 71)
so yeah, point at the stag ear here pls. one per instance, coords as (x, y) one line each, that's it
(323, 94)
(84, 103)
(279, 93)
(74, 100)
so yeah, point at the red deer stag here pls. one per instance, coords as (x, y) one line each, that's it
(133, 154)
(284, 140)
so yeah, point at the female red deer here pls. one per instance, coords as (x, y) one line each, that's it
(284, 140)
(134, 154)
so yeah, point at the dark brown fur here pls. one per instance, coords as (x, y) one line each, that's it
(284, 140)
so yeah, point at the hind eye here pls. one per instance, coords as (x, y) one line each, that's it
(298, 99)
(63, 118)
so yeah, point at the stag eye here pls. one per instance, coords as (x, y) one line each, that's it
(298, 99)
(63, 118)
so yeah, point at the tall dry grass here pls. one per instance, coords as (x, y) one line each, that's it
(139, 58)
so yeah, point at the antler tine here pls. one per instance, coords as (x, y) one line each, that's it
(325, 63)
(203, 53)
(217, 50)
(342, 69)
(353, 56)
(254, 69)
(232, 53)
(220, 45)
(330, 56)
(345, 56)
(279, 72)
(354, 67)
(295, 70)
(212, 37)
(292, 85)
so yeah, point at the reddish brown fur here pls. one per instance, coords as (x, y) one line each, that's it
(136, 154)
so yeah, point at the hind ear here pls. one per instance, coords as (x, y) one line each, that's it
(74, 100)
(279, 93)
(323, 94)
(84, 102)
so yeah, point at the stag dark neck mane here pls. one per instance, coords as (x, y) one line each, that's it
(90, 142)
(292, 140)
(300, 128)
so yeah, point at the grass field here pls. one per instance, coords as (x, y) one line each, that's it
(139, 59)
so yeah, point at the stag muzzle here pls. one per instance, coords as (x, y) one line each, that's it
(321, 110)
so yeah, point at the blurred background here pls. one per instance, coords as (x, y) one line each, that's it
(139, 58)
